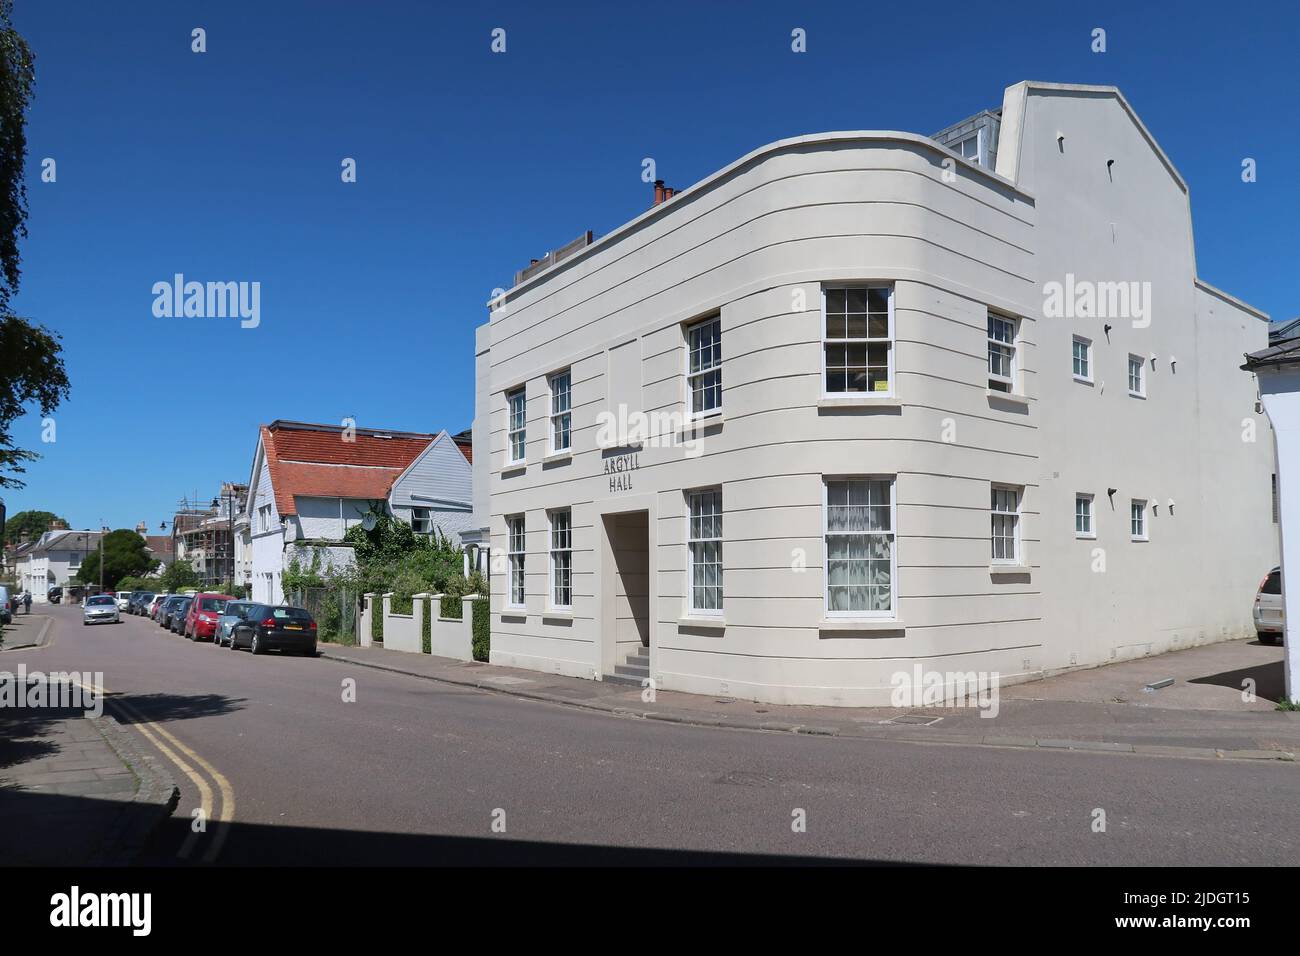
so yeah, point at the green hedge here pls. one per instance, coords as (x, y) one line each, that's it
(377, 618)
(426, 639)
(482, 630)
(450, 606)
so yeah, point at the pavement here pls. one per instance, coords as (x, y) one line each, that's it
(78, 779)
(1221, 705)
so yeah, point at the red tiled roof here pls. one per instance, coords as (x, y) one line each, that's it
(314, 460)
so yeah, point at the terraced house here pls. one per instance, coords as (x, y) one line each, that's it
(863, 400)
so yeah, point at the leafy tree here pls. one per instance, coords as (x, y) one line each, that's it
(31, 524)
(125, 554)
(178, 576)
(31, 362)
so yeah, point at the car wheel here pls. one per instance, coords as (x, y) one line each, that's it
(256, 645)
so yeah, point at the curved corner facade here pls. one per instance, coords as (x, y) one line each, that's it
(814, 423)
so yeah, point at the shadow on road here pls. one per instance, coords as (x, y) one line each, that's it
(261, 845)
(155, 707)
(1270, 681)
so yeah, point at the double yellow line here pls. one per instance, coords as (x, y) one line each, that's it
(156, 735)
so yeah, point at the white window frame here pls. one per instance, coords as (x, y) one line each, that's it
(560, 541)
(421, 516)
(865, 342)
(1087, 357)
(1090, 511)
(264, 518)
(995, 512)
(978, 137)
(1141, 390)
(856, 615)
(693, 413)
(516, 560)
(1137, 514)
(691, 607)
(1013, 346)
(561, 418)
(521, 430)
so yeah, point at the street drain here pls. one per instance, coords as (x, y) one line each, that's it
(914, 719)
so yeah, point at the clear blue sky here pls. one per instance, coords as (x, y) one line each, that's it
(225, 166)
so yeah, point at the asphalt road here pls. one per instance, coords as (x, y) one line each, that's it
(416, 772)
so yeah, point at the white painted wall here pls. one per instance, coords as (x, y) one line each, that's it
(775, 226)
(1280, 391)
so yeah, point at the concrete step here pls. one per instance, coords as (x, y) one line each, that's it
(631, 670)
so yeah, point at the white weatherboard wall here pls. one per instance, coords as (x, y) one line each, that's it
(440, 481)
(755, 243)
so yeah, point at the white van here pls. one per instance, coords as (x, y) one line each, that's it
(122, 598)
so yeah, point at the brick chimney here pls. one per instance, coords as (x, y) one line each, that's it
(659, 191)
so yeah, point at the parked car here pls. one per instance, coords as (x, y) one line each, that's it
(140, 602)
(151, 611)
(268, 627)
(6, 606)
(201, 618)
(176, 621)
(232, 615)
(1270, 618)
(122, 598)
(166, 609)
(100, 609)
(54, 595)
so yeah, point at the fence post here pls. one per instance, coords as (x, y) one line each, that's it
(418, 602)
(388, 609)
(467, 622)
(367, 612)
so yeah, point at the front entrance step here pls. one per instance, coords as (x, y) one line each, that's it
(634, 669)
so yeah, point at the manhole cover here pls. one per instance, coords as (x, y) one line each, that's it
(914, 719)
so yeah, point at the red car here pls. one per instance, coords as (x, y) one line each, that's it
(201, 619)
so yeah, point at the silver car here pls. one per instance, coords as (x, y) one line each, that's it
(100, 609)
(1270, 618)
(232, 615)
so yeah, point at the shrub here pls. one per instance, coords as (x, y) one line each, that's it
(450, 606)
(482, 629)
(377, 619)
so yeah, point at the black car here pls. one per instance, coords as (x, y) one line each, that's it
(139, 601)
(176, 617)
(267, 627)
(54, 595)
(164, 617)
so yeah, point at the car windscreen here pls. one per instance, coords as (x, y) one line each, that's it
(1273, 583)
(213, 604)
(99, 599)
